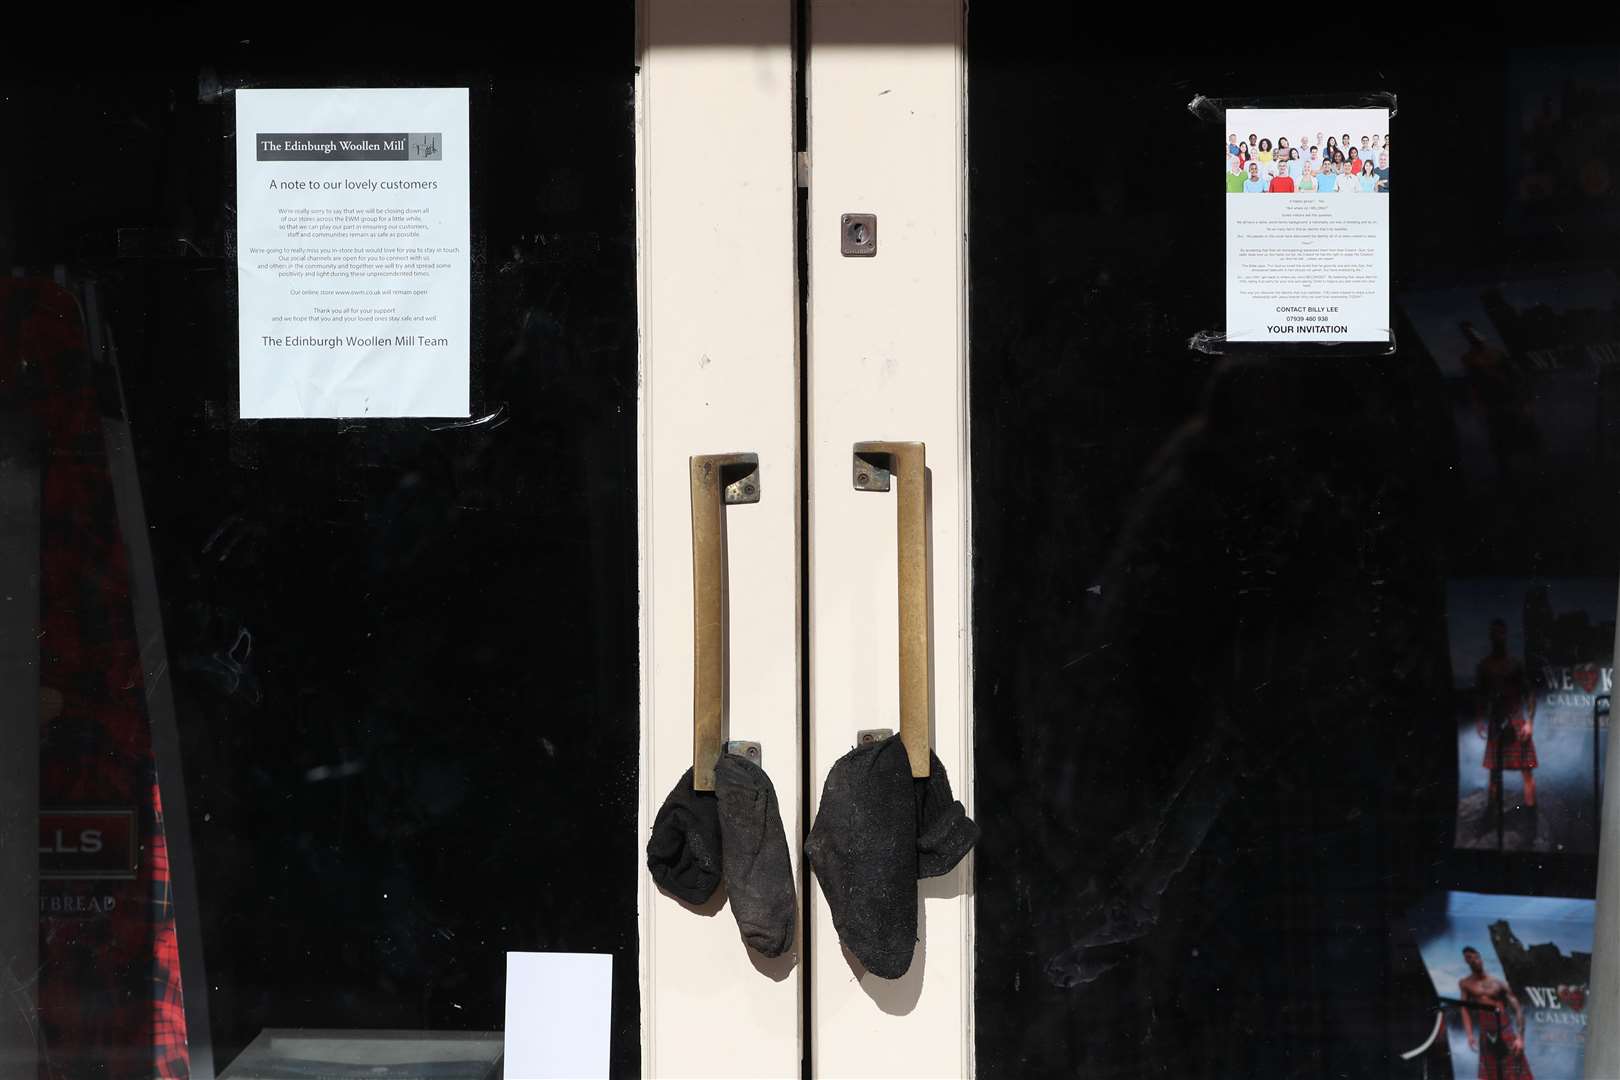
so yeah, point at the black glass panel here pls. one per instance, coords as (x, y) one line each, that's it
(401, 654)
(1233, 613)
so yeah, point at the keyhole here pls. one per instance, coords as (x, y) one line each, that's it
(857, 232)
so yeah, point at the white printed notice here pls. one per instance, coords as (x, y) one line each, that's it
(1307, 225)
(352, 252)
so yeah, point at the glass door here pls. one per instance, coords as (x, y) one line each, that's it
(1291, 668)
(323, 710)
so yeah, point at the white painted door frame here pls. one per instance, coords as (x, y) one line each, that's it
(716, 195)
(1603, 1034)
(720, 373)
(887, 352)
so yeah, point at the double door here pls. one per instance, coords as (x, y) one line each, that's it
(804, 294)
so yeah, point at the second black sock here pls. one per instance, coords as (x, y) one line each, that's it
(944, 831)
(863, 848)
(755, 862)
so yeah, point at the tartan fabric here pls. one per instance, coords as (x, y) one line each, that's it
(108, 986)
(1496, 1060)
(1516, 753)
(171, 1056)
(1503, 686)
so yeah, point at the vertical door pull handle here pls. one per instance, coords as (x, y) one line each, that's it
(718, 481)
(877, 464)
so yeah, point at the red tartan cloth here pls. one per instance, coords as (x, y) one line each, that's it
(109, 985)
(1516, 754)
(1496, 1061)
(171, 1055)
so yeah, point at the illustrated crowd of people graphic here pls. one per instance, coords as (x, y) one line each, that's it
(1335, 163)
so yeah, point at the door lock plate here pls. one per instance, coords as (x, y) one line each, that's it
(857, 235)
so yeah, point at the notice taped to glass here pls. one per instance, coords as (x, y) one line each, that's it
(1307, 225)
(352, 252)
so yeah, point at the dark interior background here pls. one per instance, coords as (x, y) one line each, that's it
(404, 654)
(1216, 756)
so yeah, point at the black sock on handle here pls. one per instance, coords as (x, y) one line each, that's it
(757, 868)
(683, 853)
(944, 831)
(863, 848)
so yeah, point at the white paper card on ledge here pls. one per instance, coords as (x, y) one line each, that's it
(352, 252)
(559, 1013)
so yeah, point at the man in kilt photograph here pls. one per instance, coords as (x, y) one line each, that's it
(1498, 1040)
(1505, 714)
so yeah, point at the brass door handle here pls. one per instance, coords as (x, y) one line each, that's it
(718, 481)
(875, 464)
